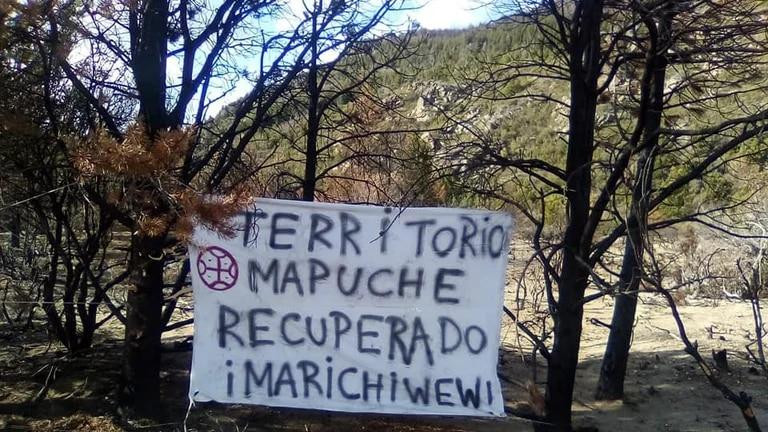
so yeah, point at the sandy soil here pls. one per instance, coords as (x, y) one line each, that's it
(665, 389)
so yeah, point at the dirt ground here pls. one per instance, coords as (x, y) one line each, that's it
(665, 389)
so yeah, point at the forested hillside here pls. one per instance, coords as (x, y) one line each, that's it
(450, 90)
(627, 138)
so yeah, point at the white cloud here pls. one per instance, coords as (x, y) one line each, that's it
(291, 15)
(446, 14)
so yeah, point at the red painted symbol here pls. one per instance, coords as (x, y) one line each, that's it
(217, 268)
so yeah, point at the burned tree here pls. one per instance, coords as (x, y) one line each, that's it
(588, 46)
(696, 65)
(64, 262)
(147, 157)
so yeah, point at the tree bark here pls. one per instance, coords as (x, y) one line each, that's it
(561, 370)
(143, 329)
(313, 124)
(610, 385)
(149, 47)
(613, 369)
(584, 54)
(313, 117)
(140, 391)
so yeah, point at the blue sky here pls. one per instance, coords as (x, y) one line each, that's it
(445, 14)
(430, 14)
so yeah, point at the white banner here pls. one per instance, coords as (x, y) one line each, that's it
(351, 308)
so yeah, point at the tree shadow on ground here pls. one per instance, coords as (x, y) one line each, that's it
(665, 391)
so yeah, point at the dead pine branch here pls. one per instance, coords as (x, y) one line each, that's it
(742, 400)
(540, 345)
(753, 283)
(50, 378)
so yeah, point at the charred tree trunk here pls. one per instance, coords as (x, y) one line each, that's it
(313, 117)
(313, 125)
(149, 47)
(613, 370)
(561, 370)
(49, 285)
(141, 365)
(610, 385)
(584, 52)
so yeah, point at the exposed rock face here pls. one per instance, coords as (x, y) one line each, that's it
(431, 95)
